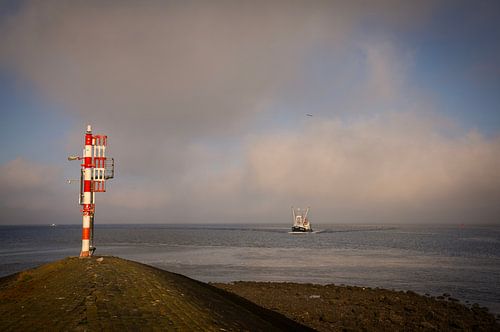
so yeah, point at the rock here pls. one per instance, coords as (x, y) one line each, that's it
(428, 326)
(456, 324)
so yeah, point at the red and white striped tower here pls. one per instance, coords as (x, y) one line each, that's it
(96, 169)
(88, 196)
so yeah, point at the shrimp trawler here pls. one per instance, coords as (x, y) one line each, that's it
(300, 222)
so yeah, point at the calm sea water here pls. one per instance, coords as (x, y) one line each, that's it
(462, 261)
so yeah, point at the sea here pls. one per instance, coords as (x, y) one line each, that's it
(460, 260)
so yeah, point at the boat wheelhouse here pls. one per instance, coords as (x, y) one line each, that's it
(300, 222)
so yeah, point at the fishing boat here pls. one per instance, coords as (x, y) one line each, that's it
(300, 222)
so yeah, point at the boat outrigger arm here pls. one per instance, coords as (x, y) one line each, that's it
(300, 221)
(305, 216)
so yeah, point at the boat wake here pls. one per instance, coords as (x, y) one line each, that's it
(312, 232)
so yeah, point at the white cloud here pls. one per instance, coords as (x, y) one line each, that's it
(392, 168)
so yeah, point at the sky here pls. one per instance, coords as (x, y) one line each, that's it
(205, 104)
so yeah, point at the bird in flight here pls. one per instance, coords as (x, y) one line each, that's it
(309, 114)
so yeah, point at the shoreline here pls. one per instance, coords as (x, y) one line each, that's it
(105, 292)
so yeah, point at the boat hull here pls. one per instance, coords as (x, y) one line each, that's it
(300, 229)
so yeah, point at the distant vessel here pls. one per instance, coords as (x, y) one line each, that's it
(53, 225)
(300, 222)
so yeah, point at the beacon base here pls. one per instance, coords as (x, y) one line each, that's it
(84, 254)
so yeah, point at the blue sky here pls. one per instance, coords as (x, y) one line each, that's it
(457, 57)
(211, 97)
(28, 121)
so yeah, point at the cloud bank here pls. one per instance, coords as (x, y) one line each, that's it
(183, 90)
